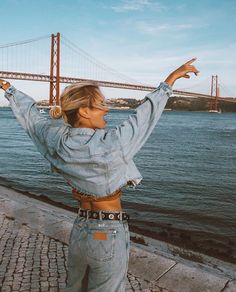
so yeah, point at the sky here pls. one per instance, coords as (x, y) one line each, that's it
(143, 39)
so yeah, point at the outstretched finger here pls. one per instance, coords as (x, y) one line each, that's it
(191, 61)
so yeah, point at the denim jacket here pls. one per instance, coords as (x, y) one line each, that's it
(95, 162)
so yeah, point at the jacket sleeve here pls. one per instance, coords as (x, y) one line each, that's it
(40, 129)
(134, 132)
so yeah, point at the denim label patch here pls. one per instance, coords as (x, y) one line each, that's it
(100, 236)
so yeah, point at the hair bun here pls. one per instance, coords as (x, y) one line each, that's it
(55, 112)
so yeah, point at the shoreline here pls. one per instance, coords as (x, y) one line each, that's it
(217, 246)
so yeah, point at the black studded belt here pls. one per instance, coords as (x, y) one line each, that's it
(103, 215)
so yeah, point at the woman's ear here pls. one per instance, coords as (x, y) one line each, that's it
(84, 112)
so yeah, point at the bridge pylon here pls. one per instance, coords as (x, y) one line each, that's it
(215, 92)
(55, 70)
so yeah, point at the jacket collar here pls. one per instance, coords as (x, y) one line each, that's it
(82, 131)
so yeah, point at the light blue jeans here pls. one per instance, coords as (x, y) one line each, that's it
(98, 255)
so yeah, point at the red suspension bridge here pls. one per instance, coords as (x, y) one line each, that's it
(87, 67)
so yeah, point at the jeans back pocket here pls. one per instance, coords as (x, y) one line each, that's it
(101, 243)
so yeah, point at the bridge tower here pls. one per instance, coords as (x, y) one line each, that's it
(55, 70)
(215, 92)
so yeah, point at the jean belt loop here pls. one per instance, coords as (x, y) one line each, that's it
(100, 215)
(120, 216)
(87, 214)
(79, 211)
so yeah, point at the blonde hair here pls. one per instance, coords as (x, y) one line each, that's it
(74, 96)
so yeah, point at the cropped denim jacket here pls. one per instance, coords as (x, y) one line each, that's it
(95, 162)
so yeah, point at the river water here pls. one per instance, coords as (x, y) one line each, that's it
(188, 193)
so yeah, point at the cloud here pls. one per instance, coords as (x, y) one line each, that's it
(136, 5)
(154, 29)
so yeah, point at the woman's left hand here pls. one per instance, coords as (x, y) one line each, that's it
(4, 84)
(182, 72)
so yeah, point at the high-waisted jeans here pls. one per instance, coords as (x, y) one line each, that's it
(98, 255)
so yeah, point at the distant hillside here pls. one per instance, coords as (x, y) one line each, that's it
(179, 104)
(199, 104)
(174, 103)
(117, 103)
(123, 103)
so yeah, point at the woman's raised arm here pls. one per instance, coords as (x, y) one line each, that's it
(43, 132)
(134, 132)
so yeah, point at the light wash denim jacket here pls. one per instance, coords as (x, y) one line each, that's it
(96, 162)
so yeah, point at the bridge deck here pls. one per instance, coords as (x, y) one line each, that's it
(64, 79)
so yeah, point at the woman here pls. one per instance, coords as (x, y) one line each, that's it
(96, 162)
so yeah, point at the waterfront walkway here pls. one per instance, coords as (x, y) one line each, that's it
(34, 239)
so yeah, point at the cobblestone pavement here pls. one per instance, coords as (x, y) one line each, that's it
(31, 261)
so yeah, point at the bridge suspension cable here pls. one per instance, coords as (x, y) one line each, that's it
(24, 42)
(31, 55)
(76, 49)
(226, 90)
(196, 85)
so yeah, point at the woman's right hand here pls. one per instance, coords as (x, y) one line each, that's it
(4, 84)
(182, 72)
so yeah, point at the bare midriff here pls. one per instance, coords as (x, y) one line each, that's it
(110, 202)
(111, 205)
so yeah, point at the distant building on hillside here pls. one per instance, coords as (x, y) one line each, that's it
(123, 103)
